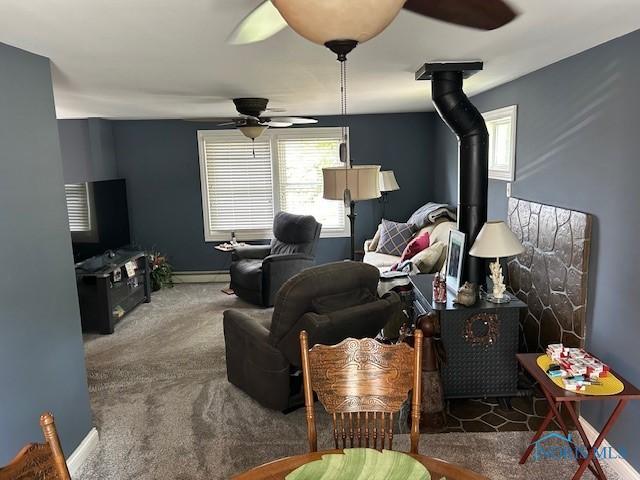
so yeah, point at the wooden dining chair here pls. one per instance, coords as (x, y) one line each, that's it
(362, 383)
(41, 461)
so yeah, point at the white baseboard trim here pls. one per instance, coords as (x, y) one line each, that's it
(619, 465)
(201, 277)
(80, 454)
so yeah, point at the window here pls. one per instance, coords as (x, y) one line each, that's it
(501, 124)
(301, 157)
(241, 193)
(78, 207)
(237, 189)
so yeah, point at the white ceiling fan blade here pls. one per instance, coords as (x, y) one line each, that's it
(295, 120)
(278, 123)
(262, 23)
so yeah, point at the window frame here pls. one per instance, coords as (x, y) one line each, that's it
(273, 135)
(511, 114)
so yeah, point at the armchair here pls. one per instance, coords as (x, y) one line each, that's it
(330, 302)
(258, 271)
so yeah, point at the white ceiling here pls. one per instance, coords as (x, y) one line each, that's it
(169, 59)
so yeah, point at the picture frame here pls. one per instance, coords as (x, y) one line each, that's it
(455, 258)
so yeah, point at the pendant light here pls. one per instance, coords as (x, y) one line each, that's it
(323, 21)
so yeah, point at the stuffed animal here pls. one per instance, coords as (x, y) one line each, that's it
(467, 294)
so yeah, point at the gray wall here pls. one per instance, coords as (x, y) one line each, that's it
(577, 147)
(41, 354)
(87, 149)
(159, 160)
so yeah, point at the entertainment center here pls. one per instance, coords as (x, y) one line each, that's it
(110, 286)
(112, 278)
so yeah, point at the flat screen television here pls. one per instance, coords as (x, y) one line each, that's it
(98, 217)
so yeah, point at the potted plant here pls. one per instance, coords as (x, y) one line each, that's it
(161, 271)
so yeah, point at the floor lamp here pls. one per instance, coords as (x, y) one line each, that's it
(351, 184)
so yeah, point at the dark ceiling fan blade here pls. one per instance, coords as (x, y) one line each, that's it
(295, 120)
(481, 14)
(219, 120)
(263, 22)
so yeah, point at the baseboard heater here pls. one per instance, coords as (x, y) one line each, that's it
(205, 276)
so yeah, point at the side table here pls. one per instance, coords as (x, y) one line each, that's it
(229, 248)
(557, 397)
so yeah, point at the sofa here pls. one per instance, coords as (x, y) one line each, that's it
(258, 271)
(438, 232)
(331, 302)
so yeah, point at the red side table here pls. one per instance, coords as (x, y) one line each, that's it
(556, 397)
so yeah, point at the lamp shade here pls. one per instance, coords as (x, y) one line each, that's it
(323, 20)
(252, 131)
(495, 240)
(363, 181)
(388, 181)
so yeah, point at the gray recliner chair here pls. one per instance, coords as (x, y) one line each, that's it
(331, 302)
(258, 271)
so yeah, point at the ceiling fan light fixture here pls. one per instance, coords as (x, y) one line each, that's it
(252, 131)
(321, 21)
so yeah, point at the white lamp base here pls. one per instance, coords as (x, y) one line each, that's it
(498, 295)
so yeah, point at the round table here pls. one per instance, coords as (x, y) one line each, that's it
(279, 469)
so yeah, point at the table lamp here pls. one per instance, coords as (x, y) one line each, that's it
(388, 183)
(495, 240)
(351, 184)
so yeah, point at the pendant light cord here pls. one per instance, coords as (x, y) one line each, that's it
(343, 111)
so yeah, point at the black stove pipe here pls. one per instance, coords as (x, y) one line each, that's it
(462, 117)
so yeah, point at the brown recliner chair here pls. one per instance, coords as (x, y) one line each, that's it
(331, 302)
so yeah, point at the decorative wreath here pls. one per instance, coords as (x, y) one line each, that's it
(491, 331)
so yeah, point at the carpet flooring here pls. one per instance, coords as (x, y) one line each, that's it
(164, 409)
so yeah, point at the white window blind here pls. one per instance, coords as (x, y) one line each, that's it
(302, 154)
(78, 207)
(237, 188)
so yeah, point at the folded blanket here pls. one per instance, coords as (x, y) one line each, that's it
(430, 212)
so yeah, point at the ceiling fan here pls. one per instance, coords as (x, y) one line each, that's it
(324, 20)
(251, 121)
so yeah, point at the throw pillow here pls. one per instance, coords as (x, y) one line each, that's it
(428, 259)
(375, 240)
(419, 243)
(342, 300)
(394, 237)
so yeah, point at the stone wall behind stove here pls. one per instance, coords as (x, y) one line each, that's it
(551, 276)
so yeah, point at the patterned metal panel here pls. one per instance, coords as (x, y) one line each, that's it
(475, 367)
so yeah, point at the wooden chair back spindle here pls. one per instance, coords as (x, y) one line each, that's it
(44, 461)
(361, 383)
